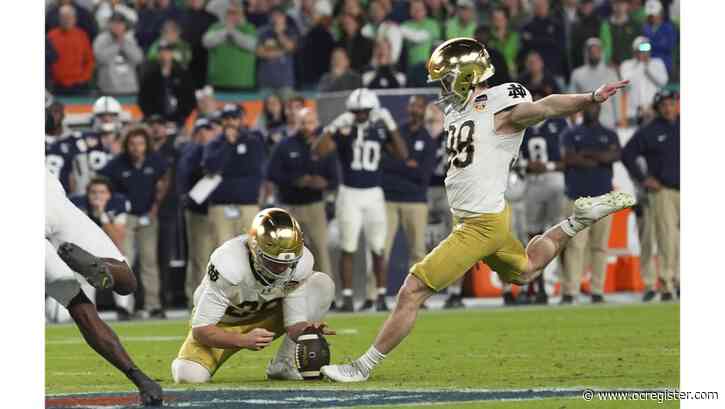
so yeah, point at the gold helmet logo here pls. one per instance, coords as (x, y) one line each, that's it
(459, 64)
(276, 244)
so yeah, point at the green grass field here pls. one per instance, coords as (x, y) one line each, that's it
(604, 347)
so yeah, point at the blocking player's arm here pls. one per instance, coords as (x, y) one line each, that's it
(209, 311)
(526, 114)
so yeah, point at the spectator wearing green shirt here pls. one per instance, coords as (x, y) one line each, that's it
(419, 33)
(231, 46)
(463, 24)
(637, 14)
(618, 33)
(171, 34)
(504, 40)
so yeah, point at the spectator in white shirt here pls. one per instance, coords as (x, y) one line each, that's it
(647, 75)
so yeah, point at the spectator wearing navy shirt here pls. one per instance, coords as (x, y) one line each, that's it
(140, 175)
(302, 178)
(661, 33)
(545, 35)
(151, 17)
(589, 152)
(198, 229)
(109, 211)
(659, 144)
(238, 155)
(276, 45)
(405, 183)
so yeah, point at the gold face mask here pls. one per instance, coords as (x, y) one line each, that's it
(459, 65)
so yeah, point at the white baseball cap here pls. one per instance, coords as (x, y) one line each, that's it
(653, 8)
(323, 8)
(465, 3)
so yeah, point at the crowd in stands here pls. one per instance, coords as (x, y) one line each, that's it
(174, 56)
(112, 46)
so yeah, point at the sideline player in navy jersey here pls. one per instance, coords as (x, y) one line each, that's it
(542, 164)
(102, 142)
(359, 136)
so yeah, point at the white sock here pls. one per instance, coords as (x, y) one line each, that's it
(347, 292)
(370, 360)
(455, 289)
(382, 290)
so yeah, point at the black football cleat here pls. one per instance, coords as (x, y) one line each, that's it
(541, 298)
(566, 300)
(649, 295)
(666, 297)
(347, 304)
(509, 299)
(123, 314)
(597, 299)
(380, 304)
(92, 268)
(368, 305)
(157, 314)
(149, 390)
(454, 301)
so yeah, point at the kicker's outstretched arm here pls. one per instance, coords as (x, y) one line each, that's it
(558, 105)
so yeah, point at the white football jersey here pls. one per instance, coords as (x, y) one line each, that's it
(479, 159)
(230, 294)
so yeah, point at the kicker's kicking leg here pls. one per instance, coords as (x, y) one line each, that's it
(587, 210)
(399, 324)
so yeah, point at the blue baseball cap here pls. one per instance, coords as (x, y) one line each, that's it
(232, 110)
(201, 123)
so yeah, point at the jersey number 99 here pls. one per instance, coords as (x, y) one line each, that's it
(459, 145)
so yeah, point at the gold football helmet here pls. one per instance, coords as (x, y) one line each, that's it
(276, 245)
(459, 64)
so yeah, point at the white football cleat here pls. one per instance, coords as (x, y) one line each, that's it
(283, 371)
(587, 210)
(345, 373)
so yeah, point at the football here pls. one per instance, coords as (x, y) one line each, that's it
(311, 354)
